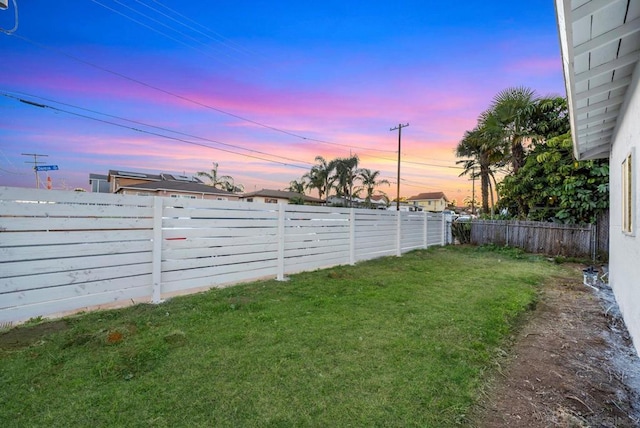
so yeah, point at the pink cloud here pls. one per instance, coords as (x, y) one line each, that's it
(536, 66)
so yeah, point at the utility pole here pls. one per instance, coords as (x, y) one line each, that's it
(35, 163)
(399, 128)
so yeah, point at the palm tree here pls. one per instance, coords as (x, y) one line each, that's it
(230, 186)
(346, 172)
(483, 152)
(224, 182)
(369, 180)
(320, 177)
(296, 186)
(511, 113)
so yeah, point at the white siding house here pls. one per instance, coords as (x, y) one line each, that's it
(600, 42)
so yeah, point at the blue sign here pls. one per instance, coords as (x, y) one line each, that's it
(47, 168)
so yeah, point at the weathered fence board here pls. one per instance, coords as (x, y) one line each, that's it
(537, 237)
(65, 251)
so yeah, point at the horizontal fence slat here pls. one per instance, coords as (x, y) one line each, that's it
(75, 304)
(268, 266)
(8, 224)
(73, 264)
(14, 239)
(28, 282)
(40, 295)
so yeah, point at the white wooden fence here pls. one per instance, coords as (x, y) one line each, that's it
(63, 251)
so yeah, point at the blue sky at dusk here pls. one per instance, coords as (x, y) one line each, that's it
(261, 88)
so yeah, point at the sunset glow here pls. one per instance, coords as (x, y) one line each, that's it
(261, 89)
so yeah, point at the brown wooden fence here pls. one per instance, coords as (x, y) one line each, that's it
(552, 239)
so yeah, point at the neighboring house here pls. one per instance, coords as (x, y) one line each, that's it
(379, 201)
(430, 201)
(168, 185)
(99, 183)
(404, 207)
(600, 41)
(177, 189)
(119, 179)
(277, 196)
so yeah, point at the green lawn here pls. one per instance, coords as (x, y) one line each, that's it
(391, 342)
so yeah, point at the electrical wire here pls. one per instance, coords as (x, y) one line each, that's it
(157, 134)
(187, 99)
(224, 41)
(151, 126)
(406, 182)
(155, 30)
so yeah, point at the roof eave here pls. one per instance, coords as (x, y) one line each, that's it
(566, 51)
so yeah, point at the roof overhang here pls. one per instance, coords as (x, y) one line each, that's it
(600, 43)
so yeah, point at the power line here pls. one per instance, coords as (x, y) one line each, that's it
(184, 98)
(157, 134)
(149, 126)
(155, 30)
(224, 41)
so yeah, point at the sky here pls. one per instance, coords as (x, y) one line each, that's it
(261, 88)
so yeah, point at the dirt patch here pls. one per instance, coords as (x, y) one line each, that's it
(24, 336)
(572, 365)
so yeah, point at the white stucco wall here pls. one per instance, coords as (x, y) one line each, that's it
(624, 249)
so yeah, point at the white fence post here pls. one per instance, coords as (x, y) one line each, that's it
(156, 265)
(398, 234)
(425, 231)
(281, 217)
(352, 236)
(444, 230)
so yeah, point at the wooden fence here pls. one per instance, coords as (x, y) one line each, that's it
(540, 237)
(64, 251)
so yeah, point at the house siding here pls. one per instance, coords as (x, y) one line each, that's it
(436, 205)
(624, 269)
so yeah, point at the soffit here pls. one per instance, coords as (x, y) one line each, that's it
(600, 42)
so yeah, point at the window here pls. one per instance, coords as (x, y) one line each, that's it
(249, 199)
(270, 200)
(627, 194)
(183, 196)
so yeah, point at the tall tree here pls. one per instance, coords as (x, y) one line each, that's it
(552, 185)
(511, 113)
(369, 181)
(483, 150)
(320, 177)
(550, 118)
(224, 182)
(297, 186)
(346, 172)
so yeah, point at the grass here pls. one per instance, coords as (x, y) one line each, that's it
(391, 342)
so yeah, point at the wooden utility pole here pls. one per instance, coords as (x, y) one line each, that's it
(399, 128)
(35, 163)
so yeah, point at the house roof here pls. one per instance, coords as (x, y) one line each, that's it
(280, 194)
(131, 174)
(178, 186)
(428, 196)
(600, 42)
